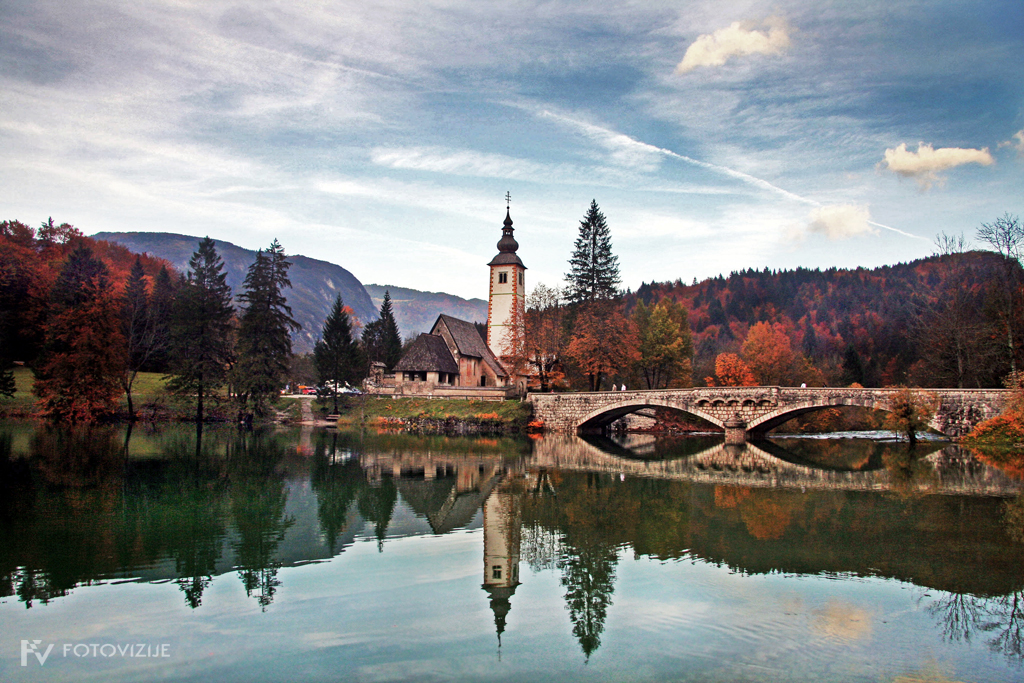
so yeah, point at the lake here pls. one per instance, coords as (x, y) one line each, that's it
(316, 555)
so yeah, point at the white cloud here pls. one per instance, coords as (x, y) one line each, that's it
(925, 164)
(1017, 142)
(841, 221)
(737, 39)
(459, 162)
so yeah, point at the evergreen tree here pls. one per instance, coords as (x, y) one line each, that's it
(161, 309)
(201, 327)
(381, 340)
(264, 334)
(594, 270)
(336, 355)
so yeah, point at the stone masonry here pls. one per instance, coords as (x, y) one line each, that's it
(743, 411)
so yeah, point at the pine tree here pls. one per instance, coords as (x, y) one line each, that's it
(594, 270)
(336, 355)
(264, 334)
(381, 340)
(201, 327)
(161, 311)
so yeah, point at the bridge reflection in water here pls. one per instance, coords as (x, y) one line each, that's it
(258, 504)
(781, 463)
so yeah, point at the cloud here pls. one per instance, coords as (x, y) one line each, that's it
(737, 39)
(924, 164)
(1017, 142)
(841, 221)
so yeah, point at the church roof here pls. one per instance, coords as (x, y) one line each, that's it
(505, 258)
(429, 353)
(507, 246)
(468, 342)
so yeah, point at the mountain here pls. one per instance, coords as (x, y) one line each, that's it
(315, 283)
(416, 311)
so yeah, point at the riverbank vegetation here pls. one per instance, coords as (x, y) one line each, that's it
(387, 413)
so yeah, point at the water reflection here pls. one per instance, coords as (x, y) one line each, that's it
(90, 505)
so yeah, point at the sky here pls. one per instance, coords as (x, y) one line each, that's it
(382, 136)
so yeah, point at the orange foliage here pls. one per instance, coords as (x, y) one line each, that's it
(729, 497)
(766, 518)
(733, 372)
(768, 353)
(603, 343)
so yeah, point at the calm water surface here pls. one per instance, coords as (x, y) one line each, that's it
(295, 555)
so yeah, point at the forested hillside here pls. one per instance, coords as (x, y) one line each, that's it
(315, 283)
(416, 311)
(932, 322)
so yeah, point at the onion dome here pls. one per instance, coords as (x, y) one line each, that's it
(507, 246)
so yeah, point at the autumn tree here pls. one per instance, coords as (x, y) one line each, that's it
(264, 331)
(143, 336)
(666, 346)
(594, 270)
(381, 341)
(78, 377)
(951, 330)
(201, 341)
(1006, 237)
(910, 412)
(513, 351)
(768, 353)
(603, 342)
(731, 371)
(336, 355)
(545, 334)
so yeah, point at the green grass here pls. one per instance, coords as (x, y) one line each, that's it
(371, 409)
(23, 402)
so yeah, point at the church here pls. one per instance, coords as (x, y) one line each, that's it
(455, 359)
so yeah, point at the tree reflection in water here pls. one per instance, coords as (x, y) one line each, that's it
(999, 618)
(258, 498)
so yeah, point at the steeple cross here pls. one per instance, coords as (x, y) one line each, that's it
(508, 200)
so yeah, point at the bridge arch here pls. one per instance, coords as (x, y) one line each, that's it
(784, 413)
(608, 413)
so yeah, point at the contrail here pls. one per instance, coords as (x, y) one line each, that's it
(622, 141)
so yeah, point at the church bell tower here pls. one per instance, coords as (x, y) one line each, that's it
(506, 307)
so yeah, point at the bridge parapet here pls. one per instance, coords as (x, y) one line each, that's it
(742, 410)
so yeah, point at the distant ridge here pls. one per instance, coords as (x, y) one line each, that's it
(416, 311)
(315, 283)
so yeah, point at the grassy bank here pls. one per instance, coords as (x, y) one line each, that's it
(23, 403)
(152, 401)
(395, 412)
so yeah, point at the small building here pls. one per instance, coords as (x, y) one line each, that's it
(452, 360)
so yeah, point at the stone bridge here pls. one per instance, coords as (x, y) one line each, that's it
(745, 411)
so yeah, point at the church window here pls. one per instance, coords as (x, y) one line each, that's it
(502, 278)
(496, 571)
(520, 278)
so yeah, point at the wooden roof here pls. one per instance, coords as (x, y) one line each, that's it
(468, 342)
(429, 353)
